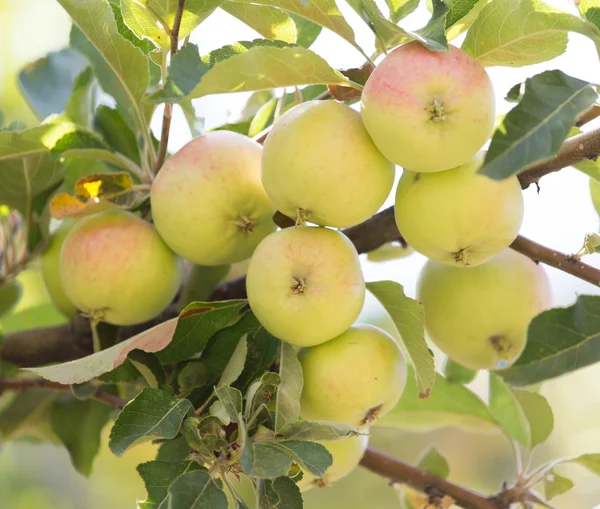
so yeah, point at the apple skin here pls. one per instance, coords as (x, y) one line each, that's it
(355, 378)
(479, 316)
(458, 217)
(318, 157)
(208, 203)
(346, 455)
(115, 266)
(305, 285)
(50, 269)
(399, 97)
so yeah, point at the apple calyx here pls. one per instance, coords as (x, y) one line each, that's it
(298, 286)
(502, 345)
(437, 110)
(462, 255)
(371, 416)
(244, 223)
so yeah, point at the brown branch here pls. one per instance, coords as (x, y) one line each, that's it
(168, 112)
(588, 115)
(25, 384)
(567, 263)
(580, 148)
(399, 472)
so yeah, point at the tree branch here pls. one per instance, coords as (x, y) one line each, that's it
(168, 112)
(24, 384)
(588, 115)
(580, 148)
(399, 472)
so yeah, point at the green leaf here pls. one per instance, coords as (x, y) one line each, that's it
(408, 317)
(121, 67)
(263, 118)
(262, 351)
(307, 31)
(432, 35)
(195, 490)
(10, 293)
(559, 341)
(145, 45)
(589, 461)
(110, 124)
(256, 66)
(149, 367)
(141, 21)
(270, 461)
(455, 373)
(535, 129)
(280, 493)
(515, 33)
(270, 22)
(80, 106)
(158, 476)
(247, 456)
(197, 323)
(399, 9)
(79, 424)
(200, 283)
(433, 462)
(538, 413)
(287, 407)
(591, 10)
(260, 393)
(235, 366)
(231, 398)
(458, 9)
(47, 83)
(387, 34)
(173, 450)
(507, 411)
(25, 413)
(449, 405)
(321, 12)
(317, 431)
(309, 456)
(79, 139)
(151, 414)
(555, 485)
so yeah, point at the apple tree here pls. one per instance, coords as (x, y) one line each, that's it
(263, 372)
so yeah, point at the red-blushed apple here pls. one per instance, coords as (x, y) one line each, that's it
(479, 316)
(458, 216)
(428, 110)
(49, 262)
(319, 164)
(115, 267)
(305, 285)
(208, 203)
(346, 455)
(355, 378)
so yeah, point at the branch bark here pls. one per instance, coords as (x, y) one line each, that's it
(168, 112)
(399, 472)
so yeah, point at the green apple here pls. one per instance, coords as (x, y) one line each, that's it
(319, 164)
(428, 110)
(115, 267)
(208, 202)
(479, 316)
(355, 378)
(50, 269)
(458, 216)
(346, 455)
(305, 285)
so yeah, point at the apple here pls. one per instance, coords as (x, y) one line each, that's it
(115, 267)
(428, 110)
(319, 164)
(208, 203)
(458, 216)
(346, 455)
(50, 269)
(305, 285)
(355, 378)
(479, 316)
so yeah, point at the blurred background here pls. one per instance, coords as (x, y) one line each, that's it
(38, 475)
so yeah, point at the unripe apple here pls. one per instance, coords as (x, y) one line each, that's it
(208, 202)
(346, 455)
(115, 267)
(355, 378)
(320, 164)
(305, 285)
(458, 216)
(50, 269)
(479, 316)
(428, 110)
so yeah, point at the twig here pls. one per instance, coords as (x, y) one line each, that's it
(24, 384)
(168, 112)
(588, 115)
(400, 472)
(577, 149)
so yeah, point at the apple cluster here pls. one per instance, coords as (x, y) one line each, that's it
(329, 166)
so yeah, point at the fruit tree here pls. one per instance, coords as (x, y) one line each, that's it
(211, 296)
